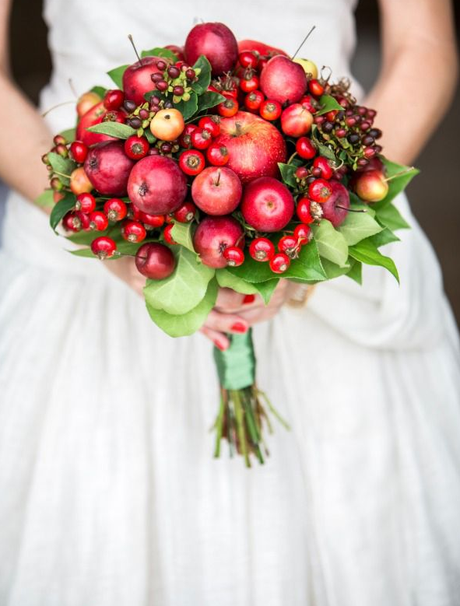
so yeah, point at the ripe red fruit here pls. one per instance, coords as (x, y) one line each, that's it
(185, 213)
(137, 79)
(85, 202)
(234, 256)
(217, 190)
(217, 42)
(201, 138)
(228, 108)
(108, 168)
(136, 147)
(157, 185)
(270, 110)
(303, 234)
(211, 124)
(325, 168)
(296, 121)
(283, 80)
(155, 261)
(254, 100)
(280, 263)
(167, 235)
(290, 246)
(98, 221)
(113, 99)
(217, 155)
(115, 209)
(303, 211)
(249, 83)
(185, 139)
(152, 220)
(319, 190)
(192, 162)
(133, 231)
(305, 148)
(213, 235)
(248, 59)
(315, 87)
(103, 247)
(78, 151)
(261, 249)
(371, 186)
(267, 205)
(308, 103)
(93, 116)
(335, 209)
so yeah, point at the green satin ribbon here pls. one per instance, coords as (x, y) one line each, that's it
(236, 366)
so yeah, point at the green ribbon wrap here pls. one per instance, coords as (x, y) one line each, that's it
(236, 366)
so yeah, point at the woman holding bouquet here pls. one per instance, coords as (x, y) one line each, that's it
(108, 494)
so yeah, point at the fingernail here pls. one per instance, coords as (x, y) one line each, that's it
(249, 299)
(239, 327)
(220, 345)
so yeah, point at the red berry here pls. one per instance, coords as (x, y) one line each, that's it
(103, 247)
(185, 213)
(315, 87)
(270, 110)
(249, 84)
(280, 263)
(185, 139)
(83, 219)
(98, 221)
(254, 100)
(211, 124)
(228, 108)
(217, 154)
(303, 234)
(301, 172)
(290, 246)
(136, 147)
(133, 212)
(261, 249)
(201, 138)
(326, 170)
(85, 202)
(113, 99)
(115, 209)
(78, 151)
(248, 59)
(331, 115)
(192, 162)
(303, 211)
(167, 234)
(155, 261)
(70, 223)
(305, 148)
(319, 190)
(234, 256)
(308, 103)
(133, 231)
(152, 220)
(115, 115)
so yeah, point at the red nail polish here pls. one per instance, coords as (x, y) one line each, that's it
(220, 345)
(249, 299)
(239, 327)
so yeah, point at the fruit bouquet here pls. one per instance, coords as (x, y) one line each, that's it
(225, 164)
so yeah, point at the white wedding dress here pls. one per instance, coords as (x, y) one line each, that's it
(109, 495)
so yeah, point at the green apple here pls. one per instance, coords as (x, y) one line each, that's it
(308, 66)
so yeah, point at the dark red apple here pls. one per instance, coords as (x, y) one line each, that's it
(217, 190)
(296, 121)
(267, 205)
(213, 235)
(155, 261)
(93, 116)
(108, 168)
(254, 146)
(157, 186)
(216, 42)
(137, 78)
(260, 47)
(283, 80)
(335, 209)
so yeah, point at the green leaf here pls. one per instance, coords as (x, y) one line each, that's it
(99, 90)
(62, 166)
(288, 174)
(159, 52)
(188, 108)
(356, 272)
(114, 129)
(331, 243)
(396, 184)
(209, 99)
(117, 75)
(148, 135)
(358, 226)
(328, 103)
(184, 289)
(386, 236)
(204, 77)
(182, 234)
(45, 199)
(366, 252)
(188, 323)
(266, 289)
(333, 270)
(226, 279)
(68, 134)
(62, 208)
(326, 151)
(390, 216)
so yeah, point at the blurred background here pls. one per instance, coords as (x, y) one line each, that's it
(434, 195)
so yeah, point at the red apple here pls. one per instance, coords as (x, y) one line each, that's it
(267, 205)
(177, 50)
(157, 186)
(93, 116)
(217, 190)
(213, 235)
(371, 186)
(79, 181)
(155, 261)
(137, 78)
(296, 121)
(254, 146)
(283, 80)
(216, 42)
(108, 168)
(335, 209)
(260, 47)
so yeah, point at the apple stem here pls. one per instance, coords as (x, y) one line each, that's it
(352, 210)
(303, 42)
(218, 177)
(56, 106)
(400, 174)
(130, 38)
(72, 88)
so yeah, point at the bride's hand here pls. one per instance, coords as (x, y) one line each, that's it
(232, 314)
(125, 269)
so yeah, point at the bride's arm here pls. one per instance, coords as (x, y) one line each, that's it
(418, 75)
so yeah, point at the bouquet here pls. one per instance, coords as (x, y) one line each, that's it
(225, 164)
